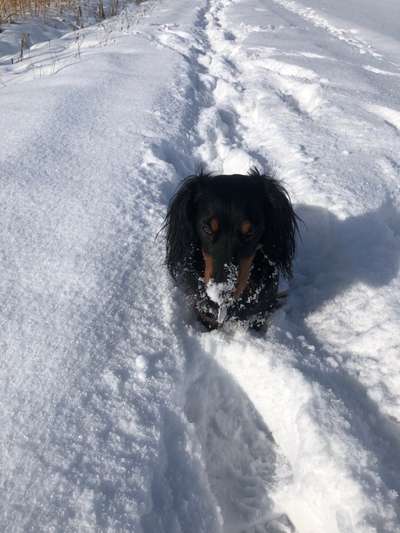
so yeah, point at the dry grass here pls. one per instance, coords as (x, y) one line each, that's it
(11, 10)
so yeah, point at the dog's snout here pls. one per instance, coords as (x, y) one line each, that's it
(223, 260)
(217, 269)
(234, 274)
(222, 272)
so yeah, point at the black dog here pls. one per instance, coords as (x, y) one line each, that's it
(228, 239)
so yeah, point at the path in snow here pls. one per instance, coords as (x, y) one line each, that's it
(117, 416)
(324, 381)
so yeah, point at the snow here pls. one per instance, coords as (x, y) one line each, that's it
(48, 23)
(357, 20)
(117, 412)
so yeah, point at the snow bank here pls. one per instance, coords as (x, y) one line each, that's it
(93, 435)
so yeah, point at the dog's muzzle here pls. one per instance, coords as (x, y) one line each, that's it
(243, 275)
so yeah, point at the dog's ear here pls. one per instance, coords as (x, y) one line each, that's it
(181, 238)
(280, 223)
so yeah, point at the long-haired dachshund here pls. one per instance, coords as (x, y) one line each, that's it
(228, 240)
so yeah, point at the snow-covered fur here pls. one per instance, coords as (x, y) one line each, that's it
(229, 237)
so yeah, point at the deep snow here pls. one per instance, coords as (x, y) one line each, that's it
(118, 415)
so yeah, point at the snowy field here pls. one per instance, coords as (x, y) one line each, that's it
(116, 414)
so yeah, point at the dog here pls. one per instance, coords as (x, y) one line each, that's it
(228, 240)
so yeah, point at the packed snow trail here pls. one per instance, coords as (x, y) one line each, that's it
(116, 416)
(92, 367)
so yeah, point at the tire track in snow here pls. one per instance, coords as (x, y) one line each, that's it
(348, 36)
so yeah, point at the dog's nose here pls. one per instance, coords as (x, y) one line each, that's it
(225, 267)
(218, 259)
(228, 273)
(235, 277)
(216, 268)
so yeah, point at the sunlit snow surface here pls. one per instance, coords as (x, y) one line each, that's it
(117, 412)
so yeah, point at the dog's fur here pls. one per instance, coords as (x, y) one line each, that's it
(237, 229)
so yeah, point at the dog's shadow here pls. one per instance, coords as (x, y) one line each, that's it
(334, 254)
(240, 455)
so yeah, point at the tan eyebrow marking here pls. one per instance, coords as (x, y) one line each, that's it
(246, 227)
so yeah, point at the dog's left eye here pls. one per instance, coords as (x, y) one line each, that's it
(247, 230)
(248, 236)
(211, 227)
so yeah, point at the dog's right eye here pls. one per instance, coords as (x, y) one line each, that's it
(207, 229)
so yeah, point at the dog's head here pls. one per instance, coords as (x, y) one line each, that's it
(218, 222)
